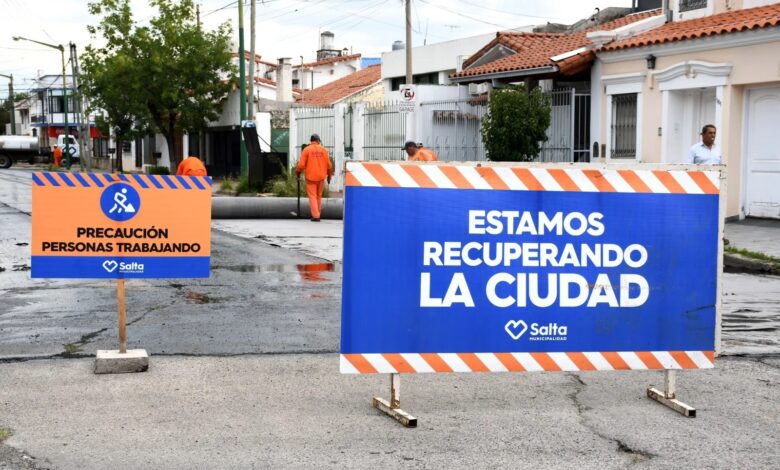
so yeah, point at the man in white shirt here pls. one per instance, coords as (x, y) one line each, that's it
(705, 152)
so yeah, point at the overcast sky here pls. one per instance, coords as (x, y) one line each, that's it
(285, 28)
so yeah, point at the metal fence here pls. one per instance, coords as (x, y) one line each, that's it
(311, 120)
(452, 128)
(623, 125)
(384, 132)
(569, 131)
(348, 133)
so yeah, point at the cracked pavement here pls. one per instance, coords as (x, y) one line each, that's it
(244, 373)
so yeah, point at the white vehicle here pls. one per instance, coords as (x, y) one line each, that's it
(21, 148)
(73, 147)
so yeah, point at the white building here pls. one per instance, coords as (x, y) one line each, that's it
(432, 64)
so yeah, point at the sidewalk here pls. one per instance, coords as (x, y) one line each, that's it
(754, 246)
(759, 235)
(297, 411)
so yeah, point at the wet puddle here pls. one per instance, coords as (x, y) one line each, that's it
(314, 272)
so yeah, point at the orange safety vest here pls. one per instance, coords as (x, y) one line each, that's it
(315, 162)
(424, 155)
(191, 166)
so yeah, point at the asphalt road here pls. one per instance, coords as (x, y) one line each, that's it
(244, 374)
(259, 299)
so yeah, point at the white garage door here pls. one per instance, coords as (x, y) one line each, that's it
(763, 154)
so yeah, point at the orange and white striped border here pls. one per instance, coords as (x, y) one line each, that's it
(583, 179)
(406, 363)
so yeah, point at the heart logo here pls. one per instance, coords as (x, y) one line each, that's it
(515, 328)
(110, 265)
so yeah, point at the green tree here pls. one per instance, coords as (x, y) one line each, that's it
(110, 75)
(516, 124)
(172, 75)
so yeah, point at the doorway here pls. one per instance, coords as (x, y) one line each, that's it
(689, 110)
(762, 191)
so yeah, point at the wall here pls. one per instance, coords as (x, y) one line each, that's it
(373, 94)
(442, 56)
(324, 74)
(230, 115)
(756, 65)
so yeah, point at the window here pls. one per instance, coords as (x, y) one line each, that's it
(56, 105)
(688, 5)
(624, 125)
(421, 79)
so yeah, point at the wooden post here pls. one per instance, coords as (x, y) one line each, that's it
(120, 302)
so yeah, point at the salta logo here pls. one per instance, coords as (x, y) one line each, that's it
(536, 332)
(110, 265)
(124, 268)
(515, 328)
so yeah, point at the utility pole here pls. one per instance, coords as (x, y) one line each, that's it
(409, 76)
(251, 106)
(83, 135)
(61, 48)
(197, 14)
(11, 99)
(242, 86)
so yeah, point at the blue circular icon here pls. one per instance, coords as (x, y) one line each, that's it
(120, 202)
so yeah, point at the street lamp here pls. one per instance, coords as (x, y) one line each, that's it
(64, 92)
(11, 98)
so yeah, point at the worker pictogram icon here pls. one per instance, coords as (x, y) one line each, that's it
(120, 202)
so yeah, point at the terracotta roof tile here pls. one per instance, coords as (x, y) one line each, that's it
(722, 23)
(344, 87)
(331, 60)
(258, 60)
(266, 81)
(534, 50)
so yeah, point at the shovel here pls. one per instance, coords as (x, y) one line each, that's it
(297, 214)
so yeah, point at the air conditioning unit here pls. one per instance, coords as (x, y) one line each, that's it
(479, 88)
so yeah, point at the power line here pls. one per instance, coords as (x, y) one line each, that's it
(354, 25)
(349, 13)
(463, 15)
(483, 7)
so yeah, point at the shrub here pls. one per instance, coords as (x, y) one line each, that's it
(159, 170)
(285, 185)
(226, 184)
(244, 186)
(516, 125)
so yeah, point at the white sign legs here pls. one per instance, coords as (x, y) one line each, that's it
(667, 397)
(393, 408)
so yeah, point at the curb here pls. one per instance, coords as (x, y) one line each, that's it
(741, 263)
(236, 207)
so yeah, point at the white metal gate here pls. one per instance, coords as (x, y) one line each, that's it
(568, 137)
(308, 121)
(384, 132)
(452, 128)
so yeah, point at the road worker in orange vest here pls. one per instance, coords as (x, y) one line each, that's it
(191, 166)
(315, 162)
(418, 153)
(57, 156)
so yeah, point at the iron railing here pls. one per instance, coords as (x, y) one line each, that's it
(384, 132)
(623, 126)
(452, 128)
